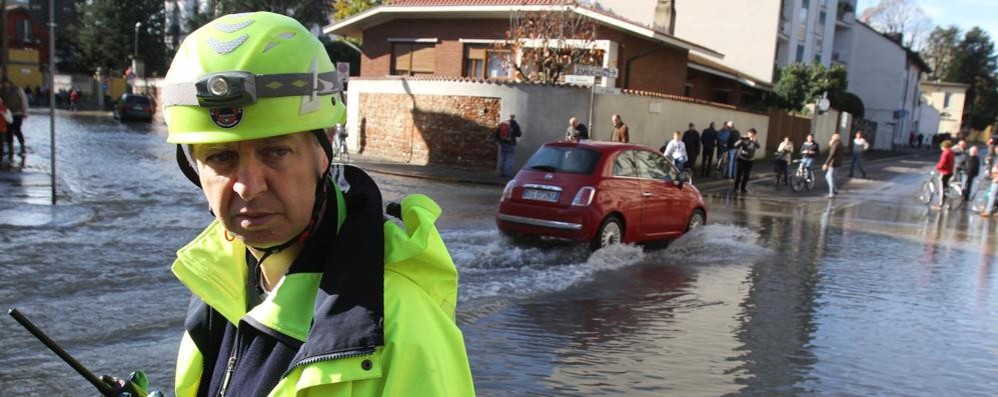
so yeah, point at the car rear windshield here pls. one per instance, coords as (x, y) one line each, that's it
(572, 160)
(137, 100)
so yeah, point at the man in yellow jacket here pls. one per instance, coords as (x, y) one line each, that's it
(301, 286)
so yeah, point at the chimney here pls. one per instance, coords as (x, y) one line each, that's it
(665, 16)
(896, 37)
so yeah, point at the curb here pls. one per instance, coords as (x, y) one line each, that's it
(769, 174)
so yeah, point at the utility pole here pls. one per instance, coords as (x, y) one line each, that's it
(3, 36)
(51, 84)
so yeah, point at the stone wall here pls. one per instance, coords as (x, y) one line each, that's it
(429, 129)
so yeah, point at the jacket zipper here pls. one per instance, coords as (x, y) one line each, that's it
(230, 366)
(359, 352)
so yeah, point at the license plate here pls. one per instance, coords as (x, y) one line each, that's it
(540, 195)
(139, 108)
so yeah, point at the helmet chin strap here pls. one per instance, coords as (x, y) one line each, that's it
(318, 207)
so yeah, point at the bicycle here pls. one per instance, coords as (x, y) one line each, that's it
(982, 195)
(802, 178)
(721, 167)
(782, 170)
(953, 191)
(340, 150)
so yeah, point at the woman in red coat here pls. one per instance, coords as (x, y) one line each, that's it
(947, 159)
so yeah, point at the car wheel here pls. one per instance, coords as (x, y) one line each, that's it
(609, 233)
(696, 220)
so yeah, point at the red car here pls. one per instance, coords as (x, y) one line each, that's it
(602, 193)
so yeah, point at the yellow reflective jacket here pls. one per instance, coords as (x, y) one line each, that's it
(347, 344)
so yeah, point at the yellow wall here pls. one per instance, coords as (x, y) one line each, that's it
(950, 118)
(23, 68)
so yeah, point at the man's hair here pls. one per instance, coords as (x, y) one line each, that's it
(691, 125)
(751, 131)
(617, 116)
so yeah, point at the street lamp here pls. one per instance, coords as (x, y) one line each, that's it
(135, 54)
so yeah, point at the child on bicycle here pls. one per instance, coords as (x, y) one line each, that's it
(809, 151)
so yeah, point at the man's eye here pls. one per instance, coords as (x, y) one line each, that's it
(278, 151)
(221, 157)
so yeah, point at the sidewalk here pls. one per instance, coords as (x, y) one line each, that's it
(762, 169)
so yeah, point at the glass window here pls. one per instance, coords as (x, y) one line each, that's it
(496, 63)
(624, 165)
(654, 166)
(821, 18)
(483, 62)
(800, 53)
(947, 99)
(567, 159)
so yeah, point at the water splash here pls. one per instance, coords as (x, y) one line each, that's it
(493, 267)
(713, 244)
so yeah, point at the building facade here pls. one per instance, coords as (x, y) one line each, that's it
(886, 76)
(947, 100)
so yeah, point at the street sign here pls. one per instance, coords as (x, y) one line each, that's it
(580, 80)
(343, 68)
(590, 70)
(607, 90)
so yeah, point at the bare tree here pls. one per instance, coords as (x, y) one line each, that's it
(545, 45)
(902, 17)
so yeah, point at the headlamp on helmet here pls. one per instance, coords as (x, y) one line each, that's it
(226, 89)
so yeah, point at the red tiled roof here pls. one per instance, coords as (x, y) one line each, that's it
(472, 2)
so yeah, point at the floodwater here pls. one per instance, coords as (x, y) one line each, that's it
(869, 294)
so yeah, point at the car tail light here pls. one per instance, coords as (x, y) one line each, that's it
(584, 197)
(507, 191)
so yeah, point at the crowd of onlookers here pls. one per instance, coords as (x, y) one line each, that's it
(965, 162)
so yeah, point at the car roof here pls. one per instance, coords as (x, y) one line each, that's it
(601, 146)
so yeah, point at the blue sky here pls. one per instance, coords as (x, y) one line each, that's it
(963, 13)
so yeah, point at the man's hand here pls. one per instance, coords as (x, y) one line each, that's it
(135, 386)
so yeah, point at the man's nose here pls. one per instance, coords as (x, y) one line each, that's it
(250, 180)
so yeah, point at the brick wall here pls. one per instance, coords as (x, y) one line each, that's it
(449, 51)
(430, 129)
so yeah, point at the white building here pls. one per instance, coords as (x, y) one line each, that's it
(885, 75)
(756, 37)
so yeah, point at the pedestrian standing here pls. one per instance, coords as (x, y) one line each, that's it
(745, 146)
(576, 131)
(74, 96)
(506, 134)
(993, 191)
(784, 153)
(972, 170)
(722, 146)
(859, 145)
(691, 138)
(675, 150)
(13, 96)
(945, 167)
(5, 120)
(833, 161)
(708, 141)
(620, 132)
(732, 152)
(920, 138)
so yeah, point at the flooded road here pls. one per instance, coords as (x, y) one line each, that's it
(869, 294)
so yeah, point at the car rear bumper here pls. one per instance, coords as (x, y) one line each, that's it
(558, 225)
(575, 223)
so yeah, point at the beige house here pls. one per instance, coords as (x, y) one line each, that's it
(947, 99)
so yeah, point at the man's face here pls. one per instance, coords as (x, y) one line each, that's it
(962, 144)
(615, 120)
(262, 190)
(810, 138)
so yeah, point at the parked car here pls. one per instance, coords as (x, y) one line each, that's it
(601, 193)
(134, 107)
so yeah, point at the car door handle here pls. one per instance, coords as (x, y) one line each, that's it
(645, 194)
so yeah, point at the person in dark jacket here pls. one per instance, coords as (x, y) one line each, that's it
(692, 140)
(745, 147)
(833, 161)
(506, 134)
(732, 152)
(708, 141)
(972, 168)
(722, 145)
